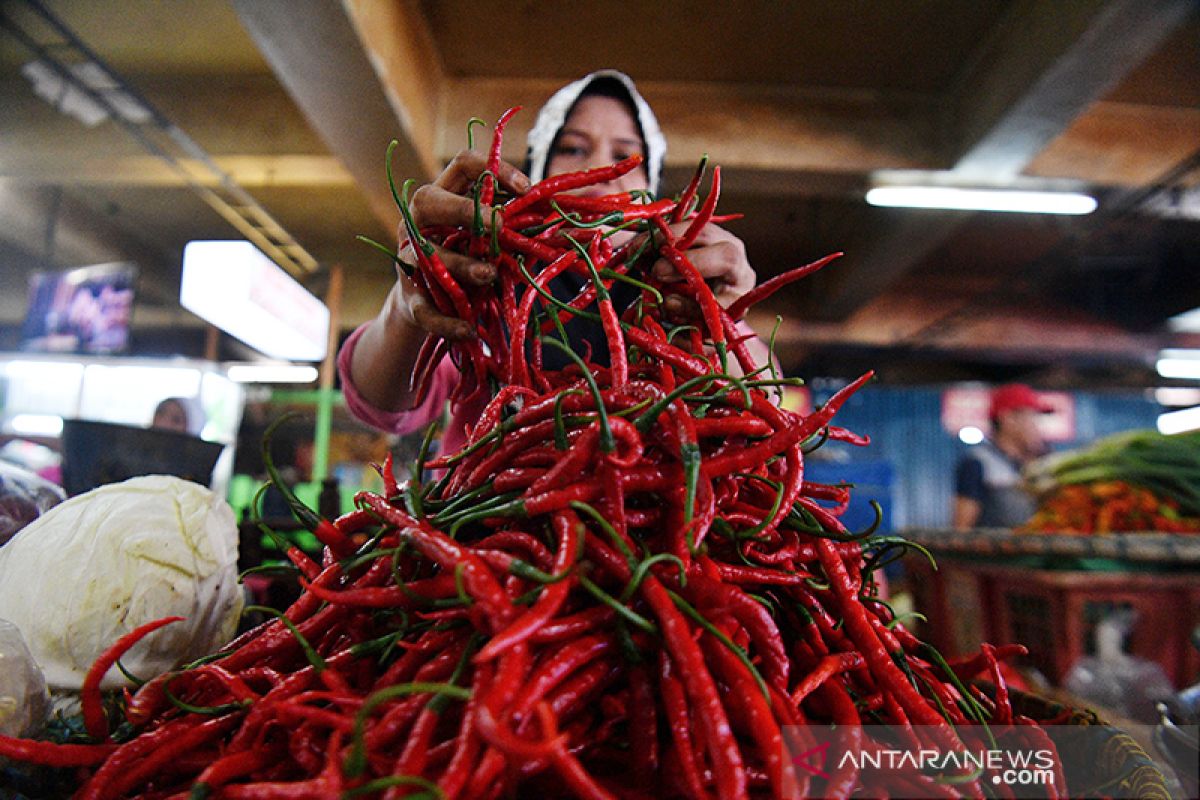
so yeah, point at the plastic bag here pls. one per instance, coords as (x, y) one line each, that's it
(24, 703)
(23, 498)
(1119, 682)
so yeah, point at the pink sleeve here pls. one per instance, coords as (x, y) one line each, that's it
(400, 422)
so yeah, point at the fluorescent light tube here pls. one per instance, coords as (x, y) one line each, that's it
(1177, 396)
(36, 424)
(948, 197)
(235, 287)
(1187, 322)
(1184, 364)
(1179, 421)
(271, 373)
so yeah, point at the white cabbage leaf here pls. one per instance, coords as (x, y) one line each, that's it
(105, 562)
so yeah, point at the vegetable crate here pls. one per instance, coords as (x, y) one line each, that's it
(1055, 612)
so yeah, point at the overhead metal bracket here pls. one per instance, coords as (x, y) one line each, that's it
(59, 49)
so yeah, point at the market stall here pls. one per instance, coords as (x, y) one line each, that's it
(626, 465)
(638, 534)
(1051, 591)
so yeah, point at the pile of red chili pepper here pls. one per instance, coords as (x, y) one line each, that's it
(621, 586)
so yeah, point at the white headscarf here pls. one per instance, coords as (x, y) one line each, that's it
(554, 114)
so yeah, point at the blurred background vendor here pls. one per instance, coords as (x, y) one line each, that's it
(989, 491)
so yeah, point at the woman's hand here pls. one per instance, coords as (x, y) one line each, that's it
(720, 257)
(446, 202)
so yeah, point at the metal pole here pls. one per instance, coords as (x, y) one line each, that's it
(325, 396)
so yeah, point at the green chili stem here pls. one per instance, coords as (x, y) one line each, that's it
(607, 443)
(651, 415)
(471, 123)
(625, 611)
(560, 428)
(554, 301)
(643, 569)
(699, 619)
(612, 274)
(310, 654)
(356, 761)
(750, 533)
(214, 711)
(608, 529)
(378, 784)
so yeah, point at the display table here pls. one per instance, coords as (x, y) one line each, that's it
(1049, 591)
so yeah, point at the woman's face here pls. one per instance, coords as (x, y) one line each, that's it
(170, 416)
(599, 132)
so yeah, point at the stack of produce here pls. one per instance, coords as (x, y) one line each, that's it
(621, 586)
(1130, 482)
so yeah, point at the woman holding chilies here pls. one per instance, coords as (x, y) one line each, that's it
(598, 120)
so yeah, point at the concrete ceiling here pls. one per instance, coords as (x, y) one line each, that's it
(803, 104)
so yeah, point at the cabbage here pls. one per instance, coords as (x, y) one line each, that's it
(101, 564)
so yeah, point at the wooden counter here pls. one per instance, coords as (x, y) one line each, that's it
(1048, 592)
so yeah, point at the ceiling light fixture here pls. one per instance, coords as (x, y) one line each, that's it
(233, 285)
(1179, 421)
(1187, 322)
(1177, 396)
(36, 425)
(1182, 364)
(271, 373)
(959, 199)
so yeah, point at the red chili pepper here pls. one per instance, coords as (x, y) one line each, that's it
(89, 693)
(753, 616)
(568, 529)
(232, 766)
(568, 181)
(879, 661)
(409, 596)
(689, 192)
(704, 215)
(728, 769)
(785, 438)
(488, 190)
(709, 309)
(432, 351)
(530, 247)
(737, 309)
(679, 721)
(764, 727)
(574, 625)
(51, 754)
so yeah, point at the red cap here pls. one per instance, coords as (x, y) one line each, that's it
(1014, 396)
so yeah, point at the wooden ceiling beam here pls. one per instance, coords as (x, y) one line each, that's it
(1032, 332)
(1121, 144)
(340, 68)
(70, 233)
(249, 171)
(1044, 66)
(396, 39)
(768, 129)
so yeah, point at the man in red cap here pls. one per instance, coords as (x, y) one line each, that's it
(988, 490)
